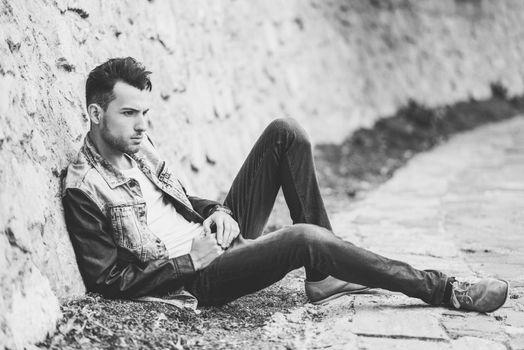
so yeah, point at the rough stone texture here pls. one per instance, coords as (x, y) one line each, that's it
(415, 344)
(223, 69)
(376, 320)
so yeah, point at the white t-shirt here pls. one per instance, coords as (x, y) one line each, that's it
(163, 220)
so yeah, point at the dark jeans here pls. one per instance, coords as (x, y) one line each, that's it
(282, 158)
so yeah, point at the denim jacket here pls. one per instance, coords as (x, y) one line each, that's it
(106, 216)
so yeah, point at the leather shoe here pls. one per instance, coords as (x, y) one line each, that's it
(330, 288)
(487, 295)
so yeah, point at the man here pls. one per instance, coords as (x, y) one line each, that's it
(136, 232)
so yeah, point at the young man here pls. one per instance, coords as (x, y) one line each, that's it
(136, 232)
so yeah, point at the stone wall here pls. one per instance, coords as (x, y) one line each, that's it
(222, 70)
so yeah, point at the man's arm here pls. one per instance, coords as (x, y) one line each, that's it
(204, 207)
(220, 216)
(110, 270)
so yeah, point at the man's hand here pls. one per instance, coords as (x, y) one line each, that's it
(227, 228)
(204, 250)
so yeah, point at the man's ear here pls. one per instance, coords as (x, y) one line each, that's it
(95, 113)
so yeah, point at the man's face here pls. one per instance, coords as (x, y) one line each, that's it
(124, 123)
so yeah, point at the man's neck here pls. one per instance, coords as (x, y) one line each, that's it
(116, 158)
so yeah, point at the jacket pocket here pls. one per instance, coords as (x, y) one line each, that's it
(129, 223)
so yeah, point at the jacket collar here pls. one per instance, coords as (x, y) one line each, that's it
(109, 173)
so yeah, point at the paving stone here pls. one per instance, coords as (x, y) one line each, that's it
(365, 343)
(475, 325)
(473, 343)
(516, 337)
(500, 270)
(397, 322)
(388, 300)
(459, 209)
(335, 334)
(490, 255)
(513, 318)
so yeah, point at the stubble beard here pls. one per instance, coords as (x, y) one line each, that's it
(117, 143)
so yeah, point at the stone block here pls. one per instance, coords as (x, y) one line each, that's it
(514, 318)
(474, 325)
(476, 343)
(397, 322)
(367, 343)
(516, 337)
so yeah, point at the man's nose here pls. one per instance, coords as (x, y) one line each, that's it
(141, 124)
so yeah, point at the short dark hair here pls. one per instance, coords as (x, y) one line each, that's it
(102, 79)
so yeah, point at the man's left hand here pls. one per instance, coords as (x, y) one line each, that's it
(227, 228)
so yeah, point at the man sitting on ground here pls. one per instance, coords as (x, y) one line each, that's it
(136, 232)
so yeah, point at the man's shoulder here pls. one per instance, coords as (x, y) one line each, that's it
(80, 174)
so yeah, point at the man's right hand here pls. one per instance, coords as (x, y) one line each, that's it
(204, 250)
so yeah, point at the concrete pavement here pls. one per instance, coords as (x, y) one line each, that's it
(458, 208)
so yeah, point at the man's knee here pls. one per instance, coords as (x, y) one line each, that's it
(289, 129)
(308, 234)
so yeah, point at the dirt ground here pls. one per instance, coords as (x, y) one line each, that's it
(346, 172)
(92, 322)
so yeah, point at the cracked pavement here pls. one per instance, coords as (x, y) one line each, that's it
(458, 208)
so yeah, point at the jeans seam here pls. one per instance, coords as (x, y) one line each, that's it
(257, 169)
(300, 199)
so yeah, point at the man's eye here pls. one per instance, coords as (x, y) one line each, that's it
(128, 113)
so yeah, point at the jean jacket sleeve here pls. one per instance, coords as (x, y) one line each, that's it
(111, 270)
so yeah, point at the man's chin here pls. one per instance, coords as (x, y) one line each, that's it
(133, 149)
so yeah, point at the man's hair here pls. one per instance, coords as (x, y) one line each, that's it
(102, 79)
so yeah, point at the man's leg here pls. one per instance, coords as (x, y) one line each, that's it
(252, 265)
(256, 264)
(281, 157)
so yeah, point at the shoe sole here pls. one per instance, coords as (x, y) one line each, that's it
(505, 298)
(338, 295)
